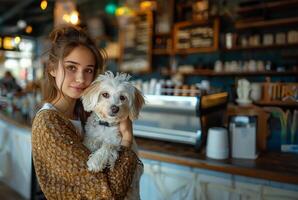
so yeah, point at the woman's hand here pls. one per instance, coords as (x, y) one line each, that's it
(125, 128)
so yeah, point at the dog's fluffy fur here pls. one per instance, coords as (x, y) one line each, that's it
(111, 99)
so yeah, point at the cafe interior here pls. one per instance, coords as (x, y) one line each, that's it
(219, 78)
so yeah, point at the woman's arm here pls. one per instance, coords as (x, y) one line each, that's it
(126, 130)
(60, 162)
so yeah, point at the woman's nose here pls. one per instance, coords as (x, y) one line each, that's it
(79, 77)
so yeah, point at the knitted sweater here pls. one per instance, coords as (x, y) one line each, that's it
(60, 163)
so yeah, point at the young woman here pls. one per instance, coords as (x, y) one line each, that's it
(58, 153)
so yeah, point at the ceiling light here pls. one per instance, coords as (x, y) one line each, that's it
(43, 4)
(21, 24)
(147, 5)
(124, 11)
(28, 29)
(17, 39)
(110, 8)
(66, 18)
(74, 17)
(7, 43)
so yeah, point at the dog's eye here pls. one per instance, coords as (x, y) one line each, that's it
(105, 95)
(122, 98)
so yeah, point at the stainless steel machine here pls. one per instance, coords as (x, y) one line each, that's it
(176, 118)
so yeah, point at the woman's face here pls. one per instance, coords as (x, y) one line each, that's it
(75, 73)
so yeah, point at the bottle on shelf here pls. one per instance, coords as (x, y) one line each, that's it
(266, 90)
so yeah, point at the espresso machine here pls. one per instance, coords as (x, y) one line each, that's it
(176, 118)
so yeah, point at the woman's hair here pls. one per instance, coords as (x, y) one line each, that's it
(63, 40)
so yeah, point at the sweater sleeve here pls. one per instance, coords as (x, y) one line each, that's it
(60, 163)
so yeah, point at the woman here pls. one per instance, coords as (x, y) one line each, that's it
(58, 153)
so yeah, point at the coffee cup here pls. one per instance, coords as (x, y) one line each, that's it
(217, 143)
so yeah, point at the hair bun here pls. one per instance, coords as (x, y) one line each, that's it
(66, 32)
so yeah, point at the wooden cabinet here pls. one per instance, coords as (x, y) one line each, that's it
(195, 36)
(190, 37)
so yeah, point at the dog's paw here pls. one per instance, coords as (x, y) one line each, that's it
(94, 164)
(112, 158)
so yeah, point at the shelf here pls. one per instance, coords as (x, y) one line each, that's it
(236, 48)
(162, 34)
(162, 51)
(207, 72)
(210, 50)
(266, 23)
(287, 104)
(195, 50)
(268, 5)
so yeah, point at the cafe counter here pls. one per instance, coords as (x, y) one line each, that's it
(170, 169)
(177, 171)
(274, 166)
(15, 155)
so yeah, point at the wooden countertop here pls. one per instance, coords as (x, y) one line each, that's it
(16, 121)
(273, 166)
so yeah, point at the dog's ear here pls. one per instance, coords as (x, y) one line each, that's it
(90, 96)
(137, 104)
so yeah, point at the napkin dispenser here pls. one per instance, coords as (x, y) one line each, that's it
(243, 130)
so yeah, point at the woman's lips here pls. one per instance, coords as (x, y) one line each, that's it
(78, 88)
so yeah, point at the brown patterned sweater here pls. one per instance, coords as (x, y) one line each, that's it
(60, 163)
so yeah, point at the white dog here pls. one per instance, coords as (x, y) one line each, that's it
(111, 100)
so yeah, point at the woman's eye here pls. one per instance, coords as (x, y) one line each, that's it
(71, 67)
(105, 95)
(90, 71)
(122, 98)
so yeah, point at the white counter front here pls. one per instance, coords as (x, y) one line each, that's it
(15, 157)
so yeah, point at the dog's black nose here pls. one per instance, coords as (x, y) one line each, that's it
(114, 109)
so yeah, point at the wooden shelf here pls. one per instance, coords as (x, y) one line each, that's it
(162, 51)
(268, 5)
(208, 72)
(195, 50)
(210, 50)
(162, 34)
(287, 104)
(276, 46)
(139, 72)
(266, 23)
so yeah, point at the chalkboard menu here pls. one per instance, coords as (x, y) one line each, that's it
(136, 44)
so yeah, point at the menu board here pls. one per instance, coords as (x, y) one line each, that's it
(136, 44)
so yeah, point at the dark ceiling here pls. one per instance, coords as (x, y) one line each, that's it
(11, 11)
